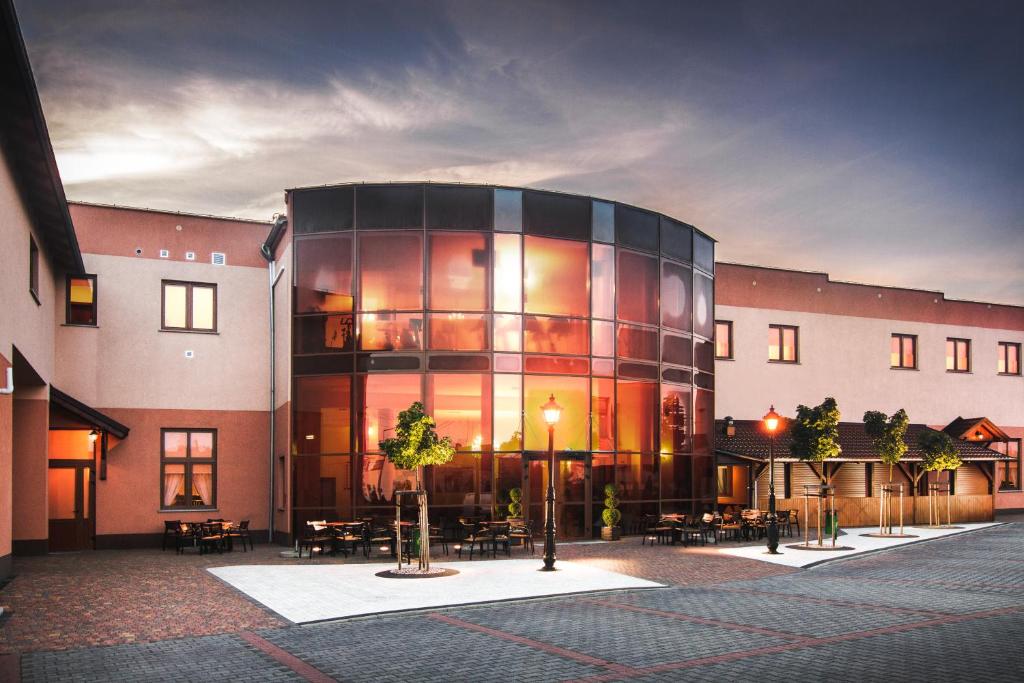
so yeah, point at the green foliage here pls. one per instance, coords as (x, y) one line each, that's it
(887, 435)
(611, 514)
(515, 508)
(815, 432)
(415, 443)
(514, 443)
(938, 451)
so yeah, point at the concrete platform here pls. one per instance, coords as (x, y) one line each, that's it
(302, 594)
(853, 538)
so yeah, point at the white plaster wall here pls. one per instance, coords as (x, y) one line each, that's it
(848, 357)
(282, 326)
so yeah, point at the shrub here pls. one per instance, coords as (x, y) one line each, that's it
(611, 514)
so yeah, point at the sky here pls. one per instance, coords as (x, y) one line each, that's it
(881, 142)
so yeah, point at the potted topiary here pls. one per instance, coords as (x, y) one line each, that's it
(611, 515)
(515, 507)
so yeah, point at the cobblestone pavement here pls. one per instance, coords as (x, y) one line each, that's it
(946, 610)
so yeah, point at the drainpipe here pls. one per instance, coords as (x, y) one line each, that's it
(274, 274)
(9, 387)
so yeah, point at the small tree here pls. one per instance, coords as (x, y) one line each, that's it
(414, 446)
(815, 434)
(611, 513)
(515, 506)
(887, 435)
(938, 452)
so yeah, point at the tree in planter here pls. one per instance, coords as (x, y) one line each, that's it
(815, 434)
(515, 506)
(611, 514)
(938, 453)
(887, 437)
(414, 446)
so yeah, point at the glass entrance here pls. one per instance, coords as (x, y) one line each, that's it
(573, 503)
(69, 487)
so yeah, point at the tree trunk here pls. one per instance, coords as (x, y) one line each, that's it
(424, 521)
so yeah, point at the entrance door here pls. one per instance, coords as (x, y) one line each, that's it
(572, 493)
(71, 505)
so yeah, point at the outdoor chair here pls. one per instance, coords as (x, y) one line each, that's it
(472, 535)
(655, 529)
(753, 523)
(186, 536)
(378, 536)
(438, 536)
(211, 538)
(499, 533)
(520, 530)
(794, 520)
(730, 526)
(170, 532)
(242, 533)
(316, 536)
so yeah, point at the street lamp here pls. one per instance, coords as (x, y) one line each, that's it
(552, 411)
(771, 423)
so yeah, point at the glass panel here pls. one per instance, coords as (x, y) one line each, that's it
(675, 296)
(508, 334)
(961, 356)
(638, 342)
(202, 486)
(602, 409)
(950, 354)
(323, 482)
(603, 281)
(676, 239)
(703, 306)
(389, 206)
(508, 362)
(324, 334)
(556, 335)
(323, 275)
(458, 331)
(456, 482)
(908, 353)
(322, 210)
(379, 479)
(175, 444)
(461, 407)
(573, 394)
(774, 343)
(636, 228)
(703, 477)
(723, 340)
(677, 350)
(602, 473)
(86, 491)
(704, 355)
(175, 306)
(1001, 355)
(458, 271)
(558, 365)
(60, 486)
(508, 475)
(703, 252)
(201, 445)
(636, 476)
(508, 412)
(203, 303)
(636, 414)
(508, 210)
(604, 367)
(173, 485)
(556, 215)
(604, 221)
(637, 290)
(1013, 359)
(81, 298)
(323, 414)
(508, 273)
(675, 408)
(570, 484)
(894, 352)
(70, 444)
(556, 280)
(384, 396)
(459, 207)
(703, 421)
(788, 344)
(603, 338)
(675, 475)
(391, 271)
(390, 331)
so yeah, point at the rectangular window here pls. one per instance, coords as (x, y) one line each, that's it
(188, 468)
(1009, 472)
(80, 299)
(903, 351)
(189, 306)
(723, 339)
(782, 343)
(725, 481)
(1008, 362)
(958, 355)
(33, 268)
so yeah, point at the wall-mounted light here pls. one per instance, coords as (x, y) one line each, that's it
(92, 436)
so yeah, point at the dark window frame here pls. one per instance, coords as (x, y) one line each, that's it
(189, 286)
(913, 342)
(67, 300)
(188, 461)
(728, 324)
(728, 488)
(956, 342)
(796, 343)
(1004, 448)
(33, 269)
(1003, 352)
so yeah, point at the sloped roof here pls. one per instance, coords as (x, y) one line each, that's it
(751, 441)
(965, 427)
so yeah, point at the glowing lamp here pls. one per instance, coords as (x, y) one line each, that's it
(552, 411)
(771, 420)
(92, 436)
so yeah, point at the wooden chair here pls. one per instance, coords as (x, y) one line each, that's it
(316, 536)
(730, 526)
(242, 533)
(472, 535)
(211, 538)
(522, 531)
(186, 536)
(170, 532)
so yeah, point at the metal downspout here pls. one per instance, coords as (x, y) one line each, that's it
(267, 250)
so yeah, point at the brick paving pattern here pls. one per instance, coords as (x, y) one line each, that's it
(946, 610)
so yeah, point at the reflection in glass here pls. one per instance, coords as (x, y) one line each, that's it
(508, 334)
(175, 444)
(458, 331)
(458, 271)
(556, 335)
(558, 365)
(390, 271)
(675, 296)
(604, 221)
(461, 407)
(603, 281)
(508, 412)
(508, 475)
(175, 297)
(602, 408)
(703, 421)
(322, 414)
(636, 476)
(323, 482)
(640, 343)
(573, 394)
(636, 409)
(323, 268)
(202, 307)
(675, 475)
(637, 291)
(390, 332)
(201, 444)
(603, 338)
(677, 350)
(379, 479)
(556, 277)
(508, 273)
(703, 306)
(384, 396)
(508, 210)
(675, 413)
(324, 333)
(455, 482)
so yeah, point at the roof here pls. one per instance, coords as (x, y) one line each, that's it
(27, 148)
(86, 414)
(123, 207)
(968, 428)
(751, 442)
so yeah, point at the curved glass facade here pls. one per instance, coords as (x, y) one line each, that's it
(481, 302)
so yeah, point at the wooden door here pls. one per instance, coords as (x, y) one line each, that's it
(71, 506)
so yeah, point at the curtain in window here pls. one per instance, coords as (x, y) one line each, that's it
(172, 483)
(203, 483)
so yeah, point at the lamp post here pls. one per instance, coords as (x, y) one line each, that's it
(771, 423)
(552, 411)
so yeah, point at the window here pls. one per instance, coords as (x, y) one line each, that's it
(903, 351)
(188, 468)
(556, 277)
(189, 306)
(391, 271)
(1009, 472)
(637, 289)
(723, 339)
(725, 481)
(33, 268)
(958, 355)
(1008, 362)
(782, 343)
(80, 297)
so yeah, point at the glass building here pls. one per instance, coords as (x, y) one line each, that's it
(481, 302)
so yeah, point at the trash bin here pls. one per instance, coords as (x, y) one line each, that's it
(831, 521)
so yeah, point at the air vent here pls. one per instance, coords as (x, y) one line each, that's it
(190, 256)
(190, 354)
(164, 253)
(218, 258)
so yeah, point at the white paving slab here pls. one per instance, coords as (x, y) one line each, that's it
(304, 593)
(794, 557)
